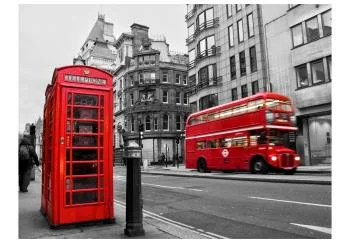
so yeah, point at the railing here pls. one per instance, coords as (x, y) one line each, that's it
(190, 14)
(215, 81)
(206, 25)
(216, 50)
(149, 81)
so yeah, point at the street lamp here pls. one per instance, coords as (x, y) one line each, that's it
(177, 140)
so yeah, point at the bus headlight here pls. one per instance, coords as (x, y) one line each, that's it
(297, 158)
(274, 158)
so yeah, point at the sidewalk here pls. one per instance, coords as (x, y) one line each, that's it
(33, 225)
(305, 174)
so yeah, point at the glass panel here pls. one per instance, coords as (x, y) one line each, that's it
(82, 99)
(302, 76)
(230, 35)
(67, 183)
(68, 126)
(69, 113)
(85, 182)
(67, 198)
(209, 14)
(317, 72)
(84, 113)
(312, 31)
(101, 168)
(69, 98)
(327, 23)
(67, 155)
(102, 198)
(84, 197)
(101, 140)
(84, 154)
(84, 141)
(84, 169)
(101, 127)
(201, 21)
(101, 182)
(67, 169)
(240, 30)
(102, 100)
(102, 114)
(210, 42)
(101, 154)
(85, 127)
(297, 35)
(250, 25)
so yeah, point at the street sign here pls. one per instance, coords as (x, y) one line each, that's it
(225, 153)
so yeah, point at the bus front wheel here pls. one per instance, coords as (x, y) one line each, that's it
(259, 166)
(202, 165)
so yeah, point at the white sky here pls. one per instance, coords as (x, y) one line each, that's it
(51, 35)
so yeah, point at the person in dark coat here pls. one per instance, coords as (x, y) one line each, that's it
(26, 156)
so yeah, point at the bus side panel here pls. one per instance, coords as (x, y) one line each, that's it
(190, 154)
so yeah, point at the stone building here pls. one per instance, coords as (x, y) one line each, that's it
(150, 86)
(301, 67)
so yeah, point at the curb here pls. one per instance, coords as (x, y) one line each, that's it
(286, 180)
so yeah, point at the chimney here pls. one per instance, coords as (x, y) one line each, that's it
(139, 32)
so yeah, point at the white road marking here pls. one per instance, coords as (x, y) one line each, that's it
(175, 223)
(161, 186)
(317, 228)
(295, 202)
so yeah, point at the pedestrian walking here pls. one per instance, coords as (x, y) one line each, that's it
(26, 155)
(162, 158)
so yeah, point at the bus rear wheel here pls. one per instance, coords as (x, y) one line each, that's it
(259, 166)
(202, 165)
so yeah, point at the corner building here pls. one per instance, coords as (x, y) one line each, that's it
(226, 53)
(150, 86)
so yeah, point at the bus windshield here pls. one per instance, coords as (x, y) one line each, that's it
(278, 105)
(278, 137)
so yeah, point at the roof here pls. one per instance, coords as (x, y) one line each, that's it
(97, 31)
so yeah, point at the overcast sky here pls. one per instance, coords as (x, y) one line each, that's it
(51, 35)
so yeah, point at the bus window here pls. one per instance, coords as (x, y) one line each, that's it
(278, 105)
(212, 144)
(200, 145)
(257, 137)
(225, 142)
(240, 141)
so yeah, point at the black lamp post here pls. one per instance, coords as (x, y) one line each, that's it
(177, 140)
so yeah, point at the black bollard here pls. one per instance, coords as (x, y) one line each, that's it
(134, 226)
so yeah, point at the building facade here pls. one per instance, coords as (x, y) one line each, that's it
(226, 53)
(150, 86)
(301, 68)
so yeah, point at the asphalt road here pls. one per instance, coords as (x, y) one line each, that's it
(236, 209)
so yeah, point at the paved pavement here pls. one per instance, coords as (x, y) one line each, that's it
(305, 174)
(33, 225)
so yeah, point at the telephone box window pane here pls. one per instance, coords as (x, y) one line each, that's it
(67, 155)
(85, 127)
(67, 198)
(85, 183)
(101, 153)
(101, 140)
(84, 154)
(84, 197)
(68, 126)
(69, 99)
(101, 168)
(101, 100)
(102, 198)
(101, 127)
(67, 183)
(85, 113)
(84, 141)
(84, 169)
(69, 113)
(101, 114)
(67, 169)
(81, 99)
(101, 182)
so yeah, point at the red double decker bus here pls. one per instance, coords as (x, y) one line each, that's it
(251, 134)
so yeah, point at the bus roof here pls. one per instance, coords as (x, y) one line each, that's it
(260, 95)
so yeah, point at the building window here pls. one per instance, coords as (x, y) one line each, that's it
(146, 60)
(238, 7)
(155, 124)
(178, 123)
(207, 73)
(240, 30)
(252, 55)
(255, 87)
(152, 59)
(177, 78)
(184, 77)
(205, 19)
(165, 96)
(234, 94)
(230, 36)
(208, 101)
(312, 32)
(132, 124)
(185, 99)
(301, 73)
(193, 106)
(191, 58)
(165, 78)
(190, 31)
(244, 90)
(250, 25)
(120, 103)
(178, 98)
(233, 67)
(229, 10)
(329, 64)
(206, 47)
(148, 123)
(132, 80)
(192, 80)
(327, 23)
(141, 80)
(297, 35)
(242, 64)
(140, 60)
(165, 122)
(131, 99)
(317, 71)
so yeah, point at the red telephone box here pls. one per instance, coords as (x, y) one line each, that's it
(77, 173)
